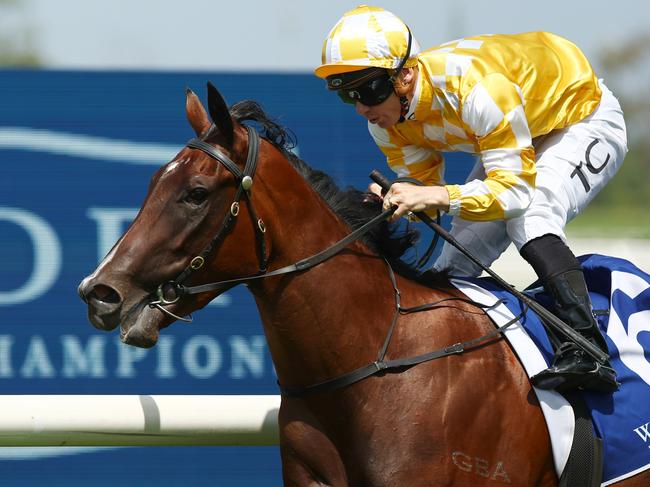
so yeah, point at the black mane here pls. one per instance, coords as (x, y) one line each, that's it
(390, 240)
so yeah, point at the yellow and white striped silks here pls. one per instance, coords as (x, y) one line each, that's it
(490, 95)
(366, 37)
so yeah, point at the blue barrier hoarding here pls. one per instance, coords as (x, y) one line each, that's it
(77, 150)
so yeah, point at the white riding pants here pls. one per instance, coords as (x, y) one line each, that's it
(573, 164)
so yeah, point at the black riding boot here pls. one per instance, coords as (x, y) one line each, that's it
(562, 277)
(572, 367)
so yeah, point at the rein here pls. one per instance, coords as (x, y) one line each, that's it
(244, 184)
(301, 265)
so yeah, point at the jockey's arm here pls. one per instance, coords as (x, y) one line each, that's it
(413, 161)
(494, 112)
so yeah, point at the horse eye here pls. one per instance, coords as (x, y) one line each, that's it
(197, 196)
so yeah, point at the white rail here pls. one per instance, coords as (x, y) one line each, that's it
(120, 420)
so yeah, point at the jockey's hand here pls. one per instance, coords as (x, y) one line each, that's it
(410, 198)
(374, 188)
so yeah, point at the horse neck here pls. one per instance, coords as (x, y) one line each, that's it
(314, 320)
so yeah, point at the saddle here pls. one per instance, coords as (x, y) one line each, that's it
(620, 419)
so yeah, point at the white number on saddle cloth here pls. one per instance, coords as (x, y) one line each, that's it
(627, 341)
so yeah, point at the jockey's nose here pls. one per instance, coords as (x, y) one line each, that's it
(361, 108)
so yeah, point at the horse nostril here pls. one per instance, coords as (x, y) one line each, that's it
(106, 294)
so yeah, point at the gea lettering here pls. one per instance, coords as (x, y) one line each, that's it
(479, 466)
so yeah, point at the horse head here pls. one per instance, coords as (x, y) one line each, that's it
(191, 217)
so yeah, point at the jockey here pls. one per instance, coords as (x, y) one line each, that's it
(548, 135)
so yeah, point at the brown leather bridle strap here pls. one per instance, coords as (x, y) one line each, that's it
(244, 181)
(244, 184)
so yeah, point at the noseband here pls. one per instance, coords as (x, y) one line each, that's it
(244, 181)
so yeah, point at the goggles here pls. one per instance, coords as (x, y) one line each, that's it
(370, 93)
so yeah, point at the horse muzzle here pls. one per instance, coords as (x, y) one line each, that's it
(144, 332)
(104, 303)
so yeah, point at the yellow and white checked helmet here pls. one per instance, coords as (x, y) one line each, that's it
(366, 37)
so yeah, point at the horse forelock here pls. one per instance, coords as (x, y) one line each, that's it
(354, 207)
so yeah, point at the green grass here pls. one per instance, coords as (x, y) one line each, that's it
(600, 221)
(622, 208)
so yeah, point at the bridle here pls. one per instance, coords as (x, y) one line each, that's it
(244, 184)
(244, 180)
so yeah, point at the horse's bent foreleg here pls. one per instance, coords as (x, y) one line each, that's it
(309, 458)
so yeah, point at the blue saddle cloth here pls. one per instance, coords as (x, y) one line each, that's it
(620, 294)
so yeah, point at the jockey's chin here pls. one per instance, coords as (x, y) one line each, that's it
(383, 123)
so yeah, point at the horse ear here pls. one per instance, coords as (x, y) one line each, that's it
(196, 114)
(220, 114)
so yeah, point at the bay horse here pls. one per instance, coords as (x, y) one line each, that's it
(214, 213)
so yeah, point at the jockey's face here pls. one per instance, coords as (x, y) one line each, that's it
(385, 115)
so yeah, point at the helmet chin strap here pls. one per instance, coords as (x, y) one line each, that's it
(404, 108)
(403, 100)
